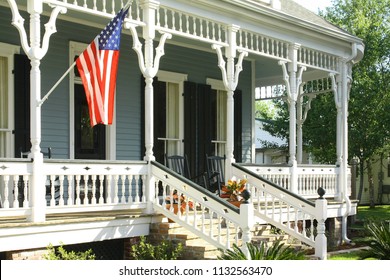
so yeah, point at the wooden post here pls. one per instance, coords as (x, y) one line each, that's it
(321, 216)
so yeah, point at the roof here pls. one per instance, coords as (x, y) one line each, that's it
(294, 9)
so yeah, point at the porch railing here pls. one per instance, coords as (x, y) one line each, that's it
(74, 186)
(310, 178)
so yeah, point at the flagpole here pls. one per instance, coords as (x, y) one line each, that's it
(56, 84)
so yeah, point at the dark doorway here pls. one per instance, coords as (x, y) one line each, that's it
(90, 142)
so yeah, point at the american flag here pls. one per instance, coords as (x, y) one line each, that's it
(98, 66)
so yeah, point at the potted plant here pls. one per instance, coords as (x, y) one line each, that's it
(233, 189)
(178, 202)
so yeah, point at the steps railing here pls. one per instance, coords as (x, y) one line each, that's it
(200, 211)
(300, 218)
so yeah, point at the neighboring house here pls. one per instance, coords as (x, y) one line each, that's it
(381, 177)
(269, 149)
(186, 85)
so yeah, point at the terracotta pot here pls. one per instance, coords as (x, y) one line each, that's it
(175, 208)
(235, 203)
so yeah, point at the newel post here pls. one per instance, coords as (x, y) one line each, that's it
(246, 213)
(321, 205)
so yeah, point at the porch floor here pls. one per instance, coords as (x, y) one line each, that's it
(68, 218)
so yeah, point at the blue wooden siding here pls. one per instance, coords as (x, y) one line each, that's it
(199, 65)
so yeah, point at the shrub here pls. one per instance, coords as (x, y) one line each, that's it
(278, 251)
(379, 241)
(165, 250)
(62, 254)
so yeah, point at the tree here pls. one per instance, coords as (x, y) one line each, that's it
(369, 98)
(369, 103)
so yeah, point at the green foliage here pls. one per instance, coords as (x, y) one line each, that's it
(379, 242)
(165, 250)
(62, 254)
(278, 251)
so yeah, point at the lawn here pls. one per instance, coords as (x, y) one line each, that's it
(380, 212)
(364, 213)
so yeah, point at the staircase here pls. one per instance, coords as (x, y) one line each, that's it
(195, 248)
(219, 223)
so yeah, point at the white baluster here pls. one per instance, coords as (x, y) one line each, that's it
(94, 5)
(113, 12)
(201, 27)
(173, 20)
(104, 6)
(93, 199)
(15, 203)
(26, 199)
(165, 18)
(130, 199)
(61, 199)
(109, 182)
(78, 201)
(116, 179)
(137, 192)
(207, 29)
(6, 192)
(52, 190)
(70, 190)
(123, 189)
(143, 179)
(86, 189)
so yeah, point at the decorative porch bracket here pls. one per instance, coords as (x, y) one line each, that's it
(230, 76)
(35, 53)
(293, 81)
(301, 118)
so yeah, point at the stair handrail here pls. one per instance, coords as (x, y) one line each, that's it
(207, 209)
(286, 210)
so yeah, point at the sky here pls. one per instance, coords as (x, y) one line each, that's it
(314, 5)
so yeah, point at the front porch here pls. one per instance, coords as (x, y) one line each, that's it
(125, 197)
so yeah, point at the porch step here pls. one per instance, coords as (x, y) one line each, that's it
(197, 248)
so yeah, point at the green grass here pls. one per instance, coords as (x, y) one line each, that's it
(345, 256)
(380, 212)
(364, 213)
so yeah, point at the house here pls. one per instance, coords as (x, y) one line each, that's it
(186, 85)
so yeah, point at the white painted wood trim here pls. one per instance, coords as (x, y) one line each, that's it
(8, 51)
(176, 78)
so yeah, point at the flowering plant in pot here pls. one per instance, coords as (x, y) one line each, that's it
(233, 189)
(178, 202)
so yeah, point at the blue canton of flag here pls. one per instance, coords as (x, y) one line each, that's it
(109, 38)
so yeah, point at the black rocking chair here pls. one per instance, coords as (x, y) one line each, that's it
(215, 175)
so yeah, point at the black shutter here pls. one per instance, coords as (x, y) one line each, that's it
(190, 125)
(22, 69)
(159, 115)
(238, 125)
(206, 122)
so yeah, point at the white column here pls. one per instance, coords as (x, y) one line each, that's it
(149, 11)
(337, 91)
(293, 81)
(346, 82)
(230, 87)
(37, 187)
(299, 126)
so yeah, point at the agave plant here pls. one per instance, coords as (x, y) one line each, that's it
(379, 242)
(277, 251)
